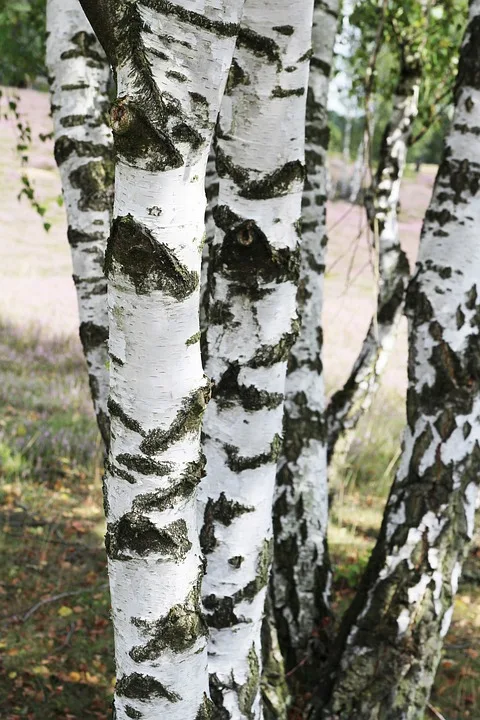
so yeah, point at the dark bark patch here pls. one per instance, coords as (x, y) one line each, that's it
(135, 534)
(178, 631)
(238, 463)
(92, 335)
(187, 420)
(118, 412)
(143, 687)
(259, 45)
(132, 713)
(149, 264)
(79, 237)
(268, 355)
(279, 92)
(228, 392)
(95, 181)
(236, 561)
(85, 46)
(144, 465)
(236, 76)
(182, 489)
(223, 511)
(66, 146)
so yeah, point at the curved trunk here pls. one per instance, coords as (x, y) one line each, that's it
(348, 404)
(79, 75)
(391, 639)
(301, 577)
(171, 64)
(252, 323)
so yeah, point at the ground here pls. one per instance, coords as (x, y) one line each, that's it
(55, 639)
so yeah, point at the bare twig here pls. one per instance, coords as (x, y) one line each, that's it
(54, 598)
(435, 712)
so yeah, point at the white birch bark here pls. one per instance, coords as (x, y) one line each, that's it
(391, 639)
(79, 75)
(349, 403)
(301, 577)
(252, 323)
(171, 63)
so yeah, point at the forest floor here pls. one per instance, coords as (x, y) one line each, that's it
(55, 636)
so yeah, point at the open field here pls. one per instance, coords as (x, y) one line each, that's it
(55, 638)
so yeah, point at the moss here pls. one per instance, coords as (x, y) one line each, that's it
(178, 631)
(149, 264)
(249, 690)
(95, 181)
(193, 339)
(187, 420)
(143, 687)
(137, 534)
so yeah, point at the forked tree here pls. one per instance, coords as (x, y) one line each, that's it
(171, 63)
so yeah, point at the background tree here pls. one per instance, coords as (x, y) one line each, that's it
(79, 75)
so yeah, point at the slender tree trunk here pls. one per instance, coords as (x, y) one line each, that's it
(171, 66)
(301, 578)
(253, 276)
(349, 403)
(391, 638)
(79, 75)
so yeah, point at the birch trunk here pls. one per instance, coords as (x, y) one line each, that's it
(171, 66)
(79, 75)
(301, 577)
(391, 639)
(349, 403)
(252, 323)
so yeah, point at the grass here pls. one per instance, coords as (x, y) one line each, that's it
(359, 489)
(56, 639)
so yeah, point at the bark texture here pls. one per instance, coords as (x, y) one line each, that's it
(171, 63)
(79, 75)
(253, 275)
(301, 576)
(392, 271)
(391, 639)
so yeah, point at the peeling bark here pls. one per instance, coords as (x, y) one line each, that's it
(79, 75)
(391, 638)
(348, 404)
(301, 578)
(253, 274)
(171, 63)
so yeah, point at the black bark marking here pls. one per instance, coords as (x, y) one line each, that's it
(149, 264)
(136, 534)
(143, 687)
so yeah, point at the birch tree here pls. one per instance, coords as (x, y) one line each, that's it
(301, 578)
(171, 63)
(412, 37)
(79, 76)
(391, 638)
(253, 272)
